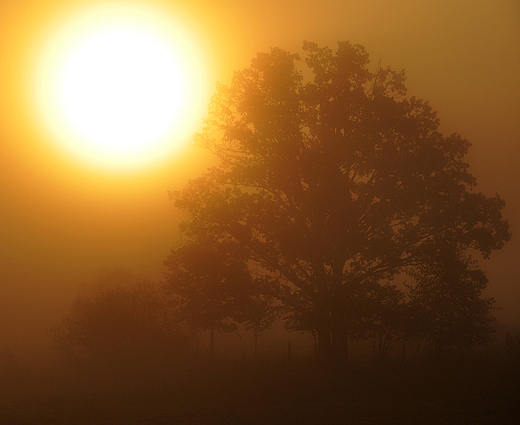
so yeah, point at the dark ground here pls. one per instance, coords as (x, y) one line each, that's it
(465, 391)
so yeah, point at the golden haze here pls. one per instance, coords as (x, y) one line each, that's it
(46, 69)
(119, 86)
(63, 217)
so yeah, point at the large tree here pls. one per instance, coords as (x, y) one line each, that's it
(333, 182)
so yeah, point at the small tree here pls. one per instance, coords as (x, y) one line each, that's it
(260, 313)
(120, 325)
(387, 319)
(209, 287)
(451, 312)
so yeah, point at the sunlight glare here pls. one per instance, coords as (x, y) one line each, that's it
(122, 89)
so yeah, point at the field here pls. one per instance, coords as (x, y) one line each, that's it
(463, 391)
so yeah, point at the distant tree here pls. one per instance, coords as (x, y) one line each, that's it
(385, 319)
(450, 309)
(260, 312)
(120, 325)
(333, 182)
(209, 287)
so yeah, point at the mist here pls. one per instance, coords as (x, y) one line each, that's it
(63, 221)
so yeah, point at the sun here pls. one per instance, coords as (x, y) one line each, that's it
(121, 87)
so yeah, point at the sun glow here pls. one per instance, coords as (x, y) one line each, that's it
(121, 87)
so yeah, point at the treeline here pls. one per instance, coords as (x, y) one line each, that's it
(122, 323)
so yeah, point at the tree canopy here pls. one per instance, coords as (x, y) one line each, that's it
(450, 311)
(210, 288)
(120, 321)
(332, 182)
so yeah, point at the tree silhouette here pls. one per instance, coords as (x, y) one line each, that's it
(120, 324)
(450, 311)
(386, 318)
(210, 287)
(259, 312)
(333, 182)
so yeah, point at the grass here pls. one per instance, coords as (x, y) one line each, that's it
(467, 391)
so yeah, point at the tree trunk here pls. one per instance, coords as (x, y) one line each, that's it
(315, 337)
(337, 317)
(212, 343)
(323, 328)
(340, 346)
(324, 343)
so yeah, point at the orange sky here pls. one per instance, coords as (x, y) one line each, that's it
(61, 220)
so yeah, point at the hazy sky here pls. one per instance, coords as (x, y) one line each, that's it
(61, 220)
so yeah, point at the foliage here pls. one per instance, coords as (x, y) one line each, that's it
(333, 185)
(208, 286)
(120, 325)
(451, 312)
(385, 319)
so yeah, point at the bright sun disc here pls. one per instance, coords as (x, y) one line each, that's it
(121, 88)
